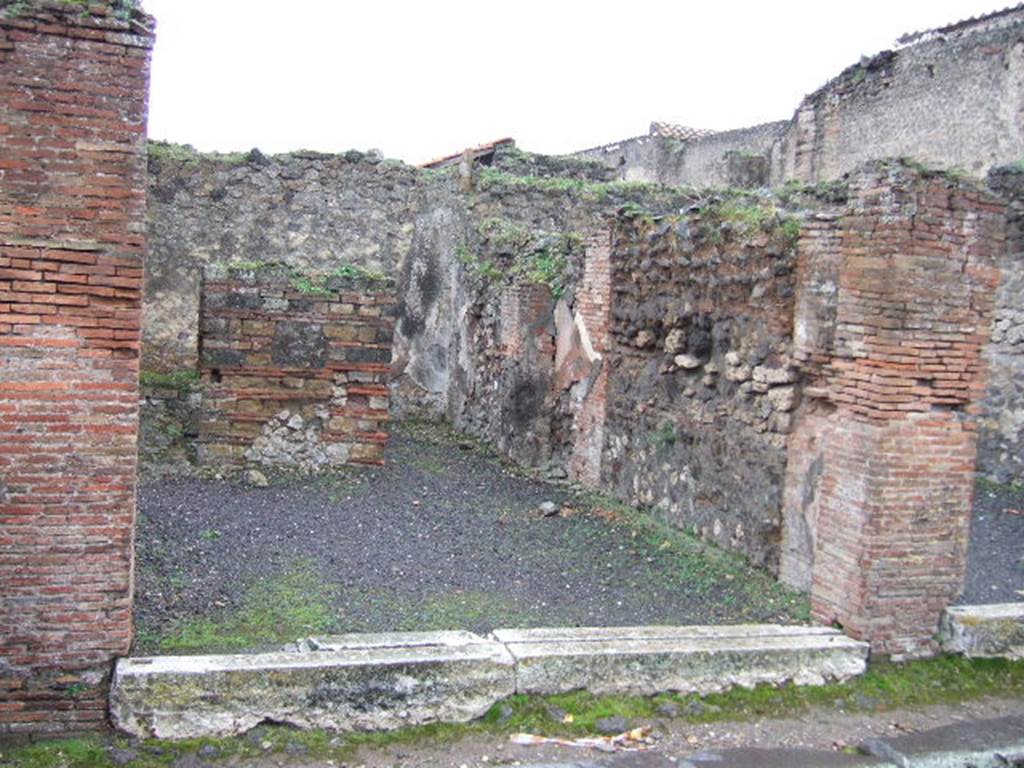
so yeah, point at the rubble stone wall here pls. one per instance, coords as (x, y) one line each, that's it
(701, 385)
(72, 239)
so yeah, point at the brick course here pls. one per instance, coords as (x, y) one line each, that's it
(72, 236)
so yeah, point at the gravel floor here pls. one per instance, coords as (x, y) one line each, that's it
(995, 560)
(441, 537)
(444, 536)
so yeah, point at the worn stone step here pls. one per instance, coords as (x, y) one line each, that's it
(993, 630)
(356, 682)
(699, 659)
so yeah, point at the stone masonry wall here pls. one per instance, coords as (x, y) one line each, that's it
(294, 371)
(72, 237)
(737, 158)
(308, 211)
(1001, 437)
(895, 298)
(949, 98)
(700, 383)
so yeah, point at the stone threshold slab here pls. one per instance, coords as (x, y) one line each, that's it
(649, 660)
(387, 681)
(995, 630)
(364, 683)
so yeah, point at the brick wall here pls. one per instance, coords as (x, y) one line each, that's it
(294, 373)
(73, 87)
(895, 301)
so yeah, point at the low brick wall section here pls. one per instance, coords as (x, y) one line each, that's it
(295, 369)
(72, 224)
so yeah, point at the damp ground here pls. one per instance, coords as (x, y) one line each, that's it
(444, 536)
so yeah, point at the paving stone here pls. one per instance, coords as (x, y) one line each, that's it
(994, 743)
(649, 660)
(779, 758)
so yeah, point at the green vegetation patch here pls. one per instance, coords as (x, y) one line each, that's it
(509, 253)
(682, 560)
(297, 603)
(186, 379)
(314, 282)
(885, 686)
(186, 153)
(592, 191)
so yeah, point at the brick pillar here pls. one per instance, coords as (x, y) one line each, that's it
(73, 86)
(894, 305)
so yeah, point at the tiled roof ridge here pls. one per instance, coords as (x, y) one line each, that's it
(675, 131)
(957, 26)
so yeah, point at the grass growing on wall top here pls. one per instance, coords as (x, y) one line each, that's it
(511, 253)
(186, 379)
(313, 281)
(186, 153)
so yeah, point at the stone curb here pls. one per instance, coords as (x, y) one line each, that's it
(995, 630)
(388, 681)
(994, 743)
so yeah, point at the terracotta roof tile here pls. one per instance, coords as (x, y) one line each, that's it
(476, 152)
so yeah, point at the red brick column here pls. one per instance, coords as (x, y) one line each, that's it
(73, 86)
(894, 305)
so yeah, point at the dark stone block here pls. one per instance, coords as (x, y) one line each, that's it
(243, 301)
(222, 358)
(299, 345)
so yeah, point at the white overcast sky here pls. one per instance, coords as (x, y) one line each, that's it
(422, 79)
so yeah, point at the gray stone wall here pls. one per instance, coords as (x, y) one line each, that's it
(739, 158)
(949, 100)
(315, 212)
(304, 210)
(1001, 439)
